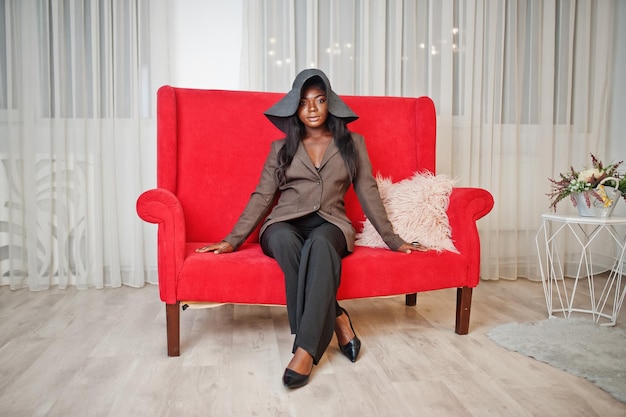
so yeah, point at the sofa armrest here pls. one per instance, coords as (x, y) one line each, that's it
(467, 206)
(162, 207)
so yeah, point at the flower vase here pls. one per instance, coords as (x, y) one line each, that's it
(598, 208)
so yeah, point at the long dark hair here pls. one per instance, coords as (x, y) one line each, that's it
(296, 132)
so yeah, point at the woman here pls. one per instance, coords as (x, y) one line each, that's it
(308, 231)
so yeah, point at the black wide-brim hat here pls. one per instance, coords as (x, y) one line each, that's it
(286, 107)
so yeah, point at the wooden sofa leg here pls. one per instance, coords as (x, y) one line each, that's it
(463, 307)
(172, 318)
(411, 299)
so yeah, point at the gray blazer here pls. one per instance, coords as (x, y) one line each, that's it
(308, 190)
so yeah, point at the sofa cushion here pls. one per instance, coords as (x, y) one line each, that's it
(247, 276)
(417, 209)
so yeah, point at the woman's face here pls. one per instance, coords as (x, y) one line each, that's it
(313, 109)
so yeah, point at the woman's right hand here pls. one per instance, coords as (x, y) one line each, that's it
(217, 248)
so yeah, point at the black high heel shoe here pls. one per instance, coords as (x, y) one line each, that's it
(353, 347)
(292, 379)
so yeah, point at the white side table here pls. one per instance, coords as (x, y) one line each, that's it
(560, 292)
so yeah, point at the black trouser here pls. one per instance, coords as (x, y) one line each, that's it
(309, 251)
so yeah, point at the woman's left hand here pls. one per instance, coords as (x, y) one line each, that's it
(411, 247)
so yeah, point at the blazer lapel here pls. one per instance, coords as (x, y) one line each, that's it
(303, 156)
(330, 152)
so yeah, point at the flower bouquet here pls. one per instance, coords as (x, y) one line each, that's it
(590, 185)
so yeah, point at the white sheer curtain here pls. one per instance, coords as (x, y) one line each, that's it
(78, 80)
(522, 88)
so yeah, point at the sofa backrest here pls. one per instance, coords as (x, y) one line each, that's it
(212, 145)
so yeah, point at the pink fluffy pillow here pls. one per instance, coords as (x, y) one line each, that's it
(417, 208)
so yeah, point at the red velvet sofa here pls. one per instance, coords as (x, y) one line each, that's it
(211, 147)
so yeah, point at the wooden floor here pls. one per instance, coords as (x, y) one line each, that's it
(103, 353)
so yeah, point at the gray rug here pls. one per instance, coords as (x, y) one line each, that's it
(578, 346)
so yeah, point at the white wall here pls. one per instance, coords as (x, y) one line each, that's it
(205, 43)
